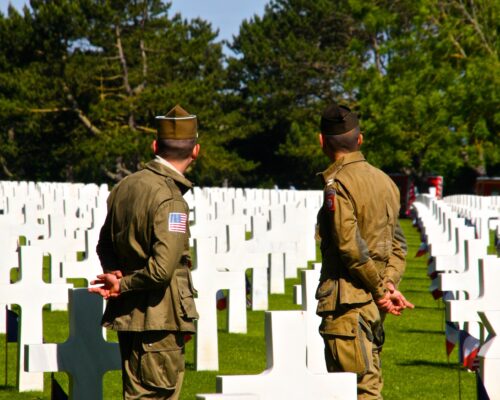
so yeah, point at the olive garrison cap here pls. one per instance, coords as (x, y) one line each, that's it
(177, 124)
(337, 120)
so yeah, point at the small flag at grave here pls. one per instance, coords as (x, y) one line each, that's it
(434, 289)
(12, 326)
(221, 300)
(248, 289)
(469, 348)
(56, 391)
(451, 333)
(422, 250)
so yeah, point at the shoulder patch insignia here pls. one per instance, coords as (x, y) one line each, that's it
(177, 222)
(330, 199)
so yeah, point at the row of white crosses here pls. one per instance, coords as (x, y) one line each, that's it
(457, 230)
(56, 220)
(281, 224)
(61, 219)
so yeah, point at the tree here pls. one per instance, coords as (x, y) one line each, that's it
(289, 63)
(430, 99)
(88, 78)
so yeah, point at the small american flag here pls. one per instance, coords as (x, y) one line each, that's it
(177, 222)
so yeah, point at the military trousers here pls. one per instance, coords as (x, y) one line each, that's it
(353, 338)
(152, 364)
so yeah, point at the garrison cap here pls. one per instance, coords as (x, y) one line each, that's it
(337, 120)
(177, 124)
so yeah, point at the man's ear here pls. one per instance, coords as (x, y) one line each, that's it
(321, 139)
(196, 151)
(360, 139)
(154, 146)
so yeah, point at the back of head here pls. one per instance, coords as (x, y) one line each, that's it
(340, 128)
(177, 132)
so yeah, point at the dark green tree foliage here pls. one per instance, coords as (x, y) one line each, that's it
(82, 81)
(424, 75)
(290, 62)
(430, 100)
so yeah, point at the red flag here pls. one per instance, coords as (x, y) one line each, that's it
(422, 250)
(469, 348)
(451, 333)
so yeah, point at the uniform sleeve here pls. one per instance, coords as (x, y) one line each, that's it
(352, 247)
(397, 260)
(105, 249)
(169, 235)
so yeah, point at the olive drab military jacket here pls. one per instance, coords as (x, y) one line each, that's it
(146, 236)
(362, 244)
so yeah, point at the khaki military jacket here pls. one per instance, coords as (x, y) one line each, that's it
(362, 244)
(146, 236)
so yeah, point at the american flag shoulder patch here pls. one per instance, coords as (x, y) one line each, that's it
(177, 222)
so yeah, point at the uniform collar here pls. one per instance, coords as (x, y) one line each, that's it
(167, 171)
(167, 164)
(331, 171)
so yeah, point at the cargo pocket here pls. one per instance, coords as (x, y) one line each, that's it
(326, 294)
(186, 294)
(349, 343)
(162, 360)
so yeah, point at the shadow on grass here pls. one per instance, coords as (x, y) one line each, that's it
(419, 291)
(424, 331)
(409, 277)
(428, 363)
(432, 308)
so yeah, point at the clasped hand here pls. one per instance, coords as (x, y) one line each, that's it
(110, 282)
(393, 301)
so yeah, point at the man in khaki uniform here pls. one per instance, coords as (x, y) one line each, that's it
(144, 251)
(363, 251)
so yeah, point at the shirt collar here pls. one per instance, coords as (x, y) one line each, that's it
(167, 164)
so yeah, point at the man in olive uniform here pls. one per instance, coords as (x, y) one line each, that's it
(144, 251)
(363, 251)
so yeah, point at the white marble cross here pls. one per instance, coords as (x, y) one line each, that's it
(315, 345)
(466, 311)
(8, 260)
(287, 376)
(241, 255)
(31, 293)
(62, 247)
(454, 260)
(489, 354)
(208, 279)
(90, 266)
(86, 355)
(468, 280)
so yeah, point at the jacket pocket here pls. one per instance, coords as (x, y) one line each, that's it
(348, 342)
(326, 294)
(162, 360)
(186, 293)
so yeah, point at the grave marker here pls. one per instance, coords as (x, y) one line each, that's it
(287, 376)
(31, 293)
(86, 355)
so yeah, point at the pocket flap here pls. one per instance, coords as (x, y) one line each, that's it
(325, 288)
(161, 341)
(184, 284)
(345, 325)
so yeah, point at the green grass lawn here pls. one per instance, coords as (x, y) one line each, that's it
(414, 359)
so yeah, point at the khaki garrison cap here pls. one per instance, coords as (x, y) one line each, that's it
(177, 124)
